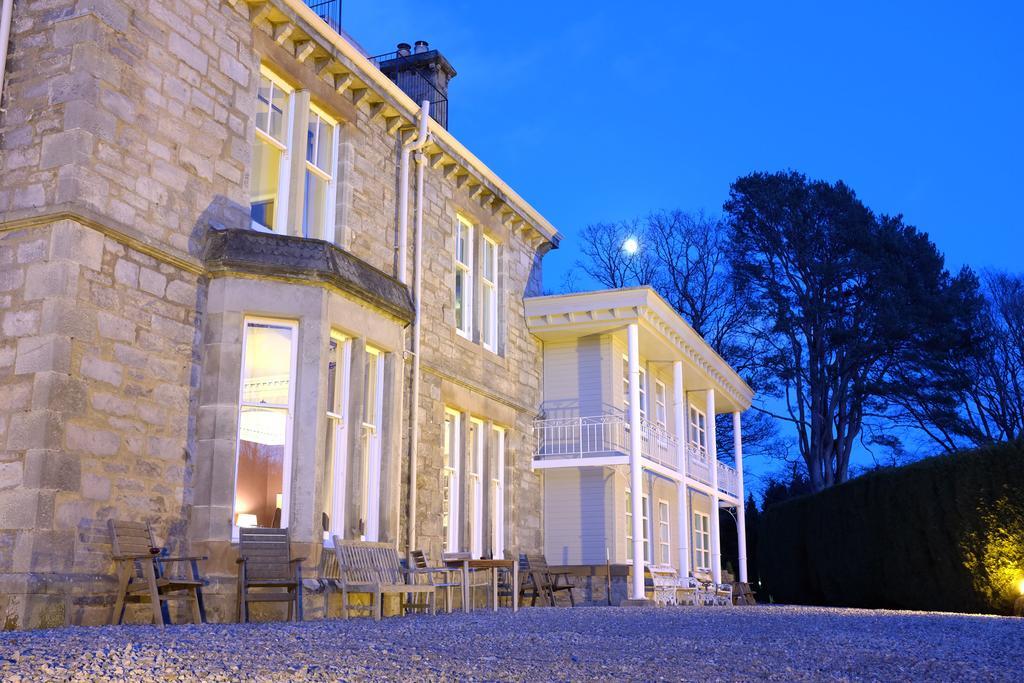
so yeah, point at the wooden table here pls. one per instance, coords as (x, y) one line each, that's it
(494, 566)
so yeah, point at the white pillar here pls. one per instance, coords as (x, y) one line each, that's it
(679, 414)
(741, 520)
(716, 546)
(636, 483)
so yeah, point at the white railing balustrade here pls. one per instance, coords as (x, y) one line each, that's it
(728, 482)
(657, 444)
(580, 437)
(602, 435)
(699, 464)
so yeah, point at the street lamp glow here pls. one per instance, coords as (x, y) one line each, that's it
(630, 246)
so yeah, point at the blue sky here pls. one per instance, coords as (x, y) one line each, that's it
(600, 111)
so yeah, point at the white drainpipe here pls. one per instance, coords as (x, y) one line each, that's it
(421, 141)
(414, 145)
(5, 36)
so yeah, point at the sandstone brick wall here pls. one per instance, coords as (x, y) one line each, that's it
(96, 376)
(134, 111)
(125, 133)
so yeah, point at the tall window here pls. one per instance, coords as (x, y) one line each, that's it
(464, 277)
(332, 518)
(625, 388)
(266, 403)
(698, 428)
(450, 480)
(373, 397)
(664, 534)
(644, 503)
(321, 161)
(268, 176)
(660, 409)
(701, 542)
(489, 295)
(498, 495)
(477, 434)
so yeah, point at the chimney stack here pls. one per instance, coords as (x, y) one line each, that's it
(422, 73)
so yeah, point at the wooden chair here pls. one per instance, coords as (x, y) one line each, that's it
(542, 581)
(328, 577)
(265, 562)
(141, 575)
(742, 595)
(374, 568)
(438, 577)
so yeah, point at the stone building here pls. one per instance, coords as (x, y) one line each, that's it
(208, 301)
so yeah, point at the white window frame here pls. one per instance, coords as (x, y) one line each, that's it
(286, 464)
(698, 427)
(625, 388)
(664, 532)
(465, 268)
(498, 497)
(645, 503)
(371, 461)
(284, 146)
(450, 479)
(660, 404)
(337, 422)
(701, 541)
(476, 440)
(489, 295)
(325, 231)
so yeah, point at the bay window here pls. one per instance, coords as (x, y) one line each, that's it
(321, 162)
(373, 398)
(266, 408)
(477, 434)
(463, 303)
(489, 295)
(336, 438)
(450, 498)
(268, 176)
(498, 495)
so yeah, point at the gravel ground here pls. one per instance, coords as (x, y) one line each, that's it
(605, 643)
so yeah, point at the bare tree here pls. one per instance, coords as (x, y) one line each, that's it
(683, 257)
(976, 397)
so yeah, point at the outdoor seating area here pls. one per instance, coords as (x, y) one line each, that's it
(267, 572)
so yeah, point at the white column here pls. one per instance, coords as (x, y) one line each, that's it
(716, 546)
(741, 520)
(635, 471)
(679, 414)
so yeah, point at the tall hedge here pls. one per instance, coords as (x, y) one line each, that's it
(946, 533)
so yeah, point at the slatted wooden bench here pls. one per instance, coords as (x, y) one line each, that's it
(374, 568)
(142, 577)
(265, 562)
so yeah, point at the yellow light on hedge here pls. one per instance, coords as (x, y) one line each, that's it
(1020, 586)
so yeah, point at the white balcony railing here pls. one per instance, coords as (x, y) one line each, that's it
(580, 437)
(608, 435)
(728, 482)
(602, 435)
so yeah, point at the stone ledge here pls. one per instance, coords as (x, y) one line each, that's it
(298, 259)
